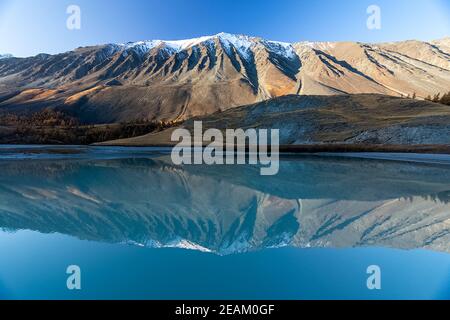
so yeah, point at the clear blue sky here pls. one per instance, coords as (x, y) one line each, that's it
(28, 27)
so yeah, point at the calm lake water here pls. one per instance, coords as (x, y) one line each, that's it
(140, 227)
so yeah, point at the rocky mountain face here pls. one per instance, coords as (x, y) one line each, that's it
(176, 80)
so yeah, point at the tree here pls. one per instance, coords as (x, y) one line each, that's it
(437, 97)
(446, 99)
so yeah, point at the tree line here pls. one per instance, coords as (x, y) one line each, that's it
(56, 127)
(444, 99)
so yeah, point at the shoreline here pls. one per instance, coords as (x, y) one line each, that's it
(431, 154)
(325, 148)
(328, 149)
(429, 158)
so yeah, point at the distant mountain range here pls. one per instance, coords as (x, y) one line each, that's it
(177, 80)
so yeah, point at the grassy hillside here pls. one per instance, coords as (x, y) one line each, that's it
(347, 119)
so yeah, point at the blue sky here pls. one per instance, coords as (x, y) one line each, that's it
(28, 27)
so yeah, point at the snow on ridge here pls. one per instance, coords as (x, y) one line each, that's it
(187, 245)
(188, 43)
(281, 48)
(243, 44)
(177, 243)
(143, 47)
(5, 56)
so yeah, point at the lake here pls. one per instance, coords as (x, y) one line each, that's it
(140, 227)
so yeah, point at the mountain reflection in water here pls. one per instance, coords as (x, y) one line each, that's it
(312, 202)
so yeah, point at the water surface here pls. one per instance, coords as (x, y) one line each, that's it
(142, 228)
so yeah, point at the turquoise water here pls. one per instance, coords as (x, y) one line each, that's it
(140, 227)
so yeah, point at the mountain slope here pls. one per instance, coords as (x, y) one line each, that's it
(350, 119)
(170, 80)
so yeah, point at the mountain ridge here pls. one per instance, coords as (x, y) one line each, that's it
(178, 80)
(190, 42)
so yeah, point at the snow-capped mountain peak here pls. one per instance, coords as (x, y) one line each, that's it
(143, 47)
(241, 43)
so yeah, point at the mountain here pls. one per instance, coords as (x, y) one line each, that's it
(176, 80)
(368, 119)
